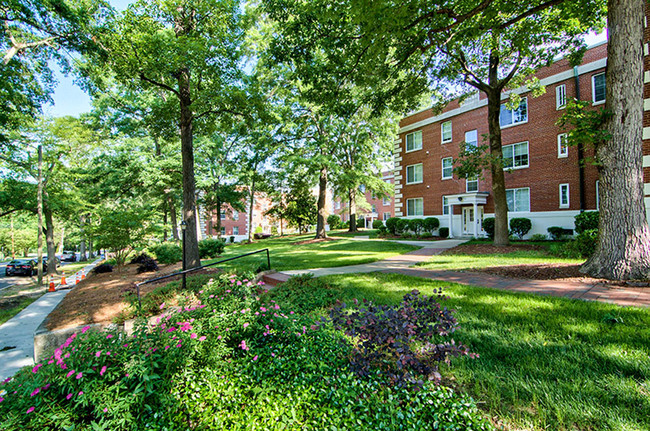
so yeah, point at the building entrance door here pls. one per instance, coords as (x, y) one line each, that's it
(468, 220)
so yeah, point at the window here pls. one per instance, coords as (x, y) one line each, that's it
(373, 209)
(471, 138)
(597, 194)
(415, 207)
(471, 184)
(516, 116)
(414, 141)
(223, 215)
(564, 196)
(515, 156)
(598, 88)
(447, 168)
(560, 96)
(235, 216)
(223, 230)
(445, 206)
(362, 188)
(518, 200)
(235, 230)
(386, 216)
(445, 130)
(385, 201)
(414, 174)
(562, 147)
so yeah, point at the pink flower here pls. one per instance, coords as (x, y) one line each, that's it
(102, 371)
(35, 392)
(29, 410)
(71, 372)
(1, 399)
(109, 336)
(105, 409)
(218, 337)
(273, 354)
(276, 306)
(98, 354)
(35, 369)
(80, 393)
(246, 325)
(255, 358)
(166, 347)
(202, 338)
(239, 283)
(193, 335)
(178, 345)
(162, 305)
(243, 345)
(85, 328)
(79, 376)
(67, 397)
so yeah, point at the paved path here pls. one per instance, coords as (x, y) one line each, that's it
(17, 334)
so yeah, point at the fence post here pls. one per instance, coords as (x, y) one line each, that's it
(268, 260)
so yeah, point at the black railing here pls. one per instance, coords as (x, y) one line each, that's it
(184, 273)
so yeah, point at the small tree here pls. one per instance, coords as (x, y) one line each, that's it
(520, 226)
(334, 221)
(120, 231)
(430, 224)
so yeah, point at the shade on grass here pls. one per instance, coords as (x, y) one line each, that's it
(286, 255)
(545, 363)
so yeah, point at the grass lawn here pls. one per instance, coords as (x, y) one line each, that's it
(10, 309)
(371, 233)
(545, 363)
(71, 268)
(286, 255)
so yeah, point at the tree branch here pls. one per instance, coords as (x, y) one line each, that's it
(159, 84)
(530, 12)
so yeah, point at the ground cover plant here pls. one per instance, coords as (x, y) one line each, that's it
(286, 254)
(545, 363)
(230, 358)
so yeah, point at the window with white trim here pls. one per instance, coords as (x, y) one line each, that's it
(235, 230)
(415, 207)
(516, 116)
(414, 141)
(222, 215)
(385, 201)
(564, 195)
(373, 209)
(445, 130)
(515, 156)
(471, 138)
(447, 168)
(445, 205)
(414, 174)
(598, 88)
(562, 147)
(471, 184)
(235, 215)
(518, 199)
(337, 205)
(223, 230)
(560, 96)
(386, 216)
(597, 194)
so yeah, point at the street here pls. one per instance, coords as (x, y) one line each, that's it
(23, 280)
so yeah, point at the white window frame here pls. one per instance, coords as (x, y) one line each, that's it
(235, 215)
(223, 230)
(386, 216)
(337, 205)
(373, 208)
(470, 133)
(560, 97)
(445, 205)
(515, 199)
(413, 200)
(562, 146)
(451, 168)
(385, 201)
(564, 186)
(593, 89)
(406, 140)
(421, 174)
(235, 230)
(523, 100)
(513, 167)
(223, 215)
(442, 132)
(469, 181)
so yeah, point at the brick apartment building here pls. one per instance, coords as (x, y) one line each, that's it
(380, 208)
(544, 182)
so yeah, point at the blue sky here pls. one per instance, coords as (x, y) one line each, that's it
(69, 99)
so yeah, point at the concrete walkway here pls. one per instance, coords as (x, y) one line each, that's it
(17, 334)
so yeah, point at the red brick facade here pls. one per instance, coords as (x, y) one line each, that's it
(380, 208)
(546, 173)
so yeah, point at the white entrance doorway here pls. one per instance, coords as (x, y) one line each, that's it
(473, 221)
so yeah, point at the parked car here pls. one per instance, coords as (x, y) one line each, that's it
(68, 256)
(21, 267)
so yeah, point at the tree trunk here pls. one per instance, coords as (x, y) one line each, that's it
(165, 224)
(322, 199)
(189, 182)
(218, 218)
(82, 243)
(61, 243)
(172, 216)
(496, 169)
(352, 210)
(623, 250)
(49, 239)
(251, 203)
(39, 206)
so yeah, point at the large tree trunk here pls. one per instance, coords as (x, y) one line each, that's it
(172, 216)
(251, 205)
(189, 183)
(49, 240)
(322, 198)
(82, 242)
(623, 250)
(352, 210)
(218, 218)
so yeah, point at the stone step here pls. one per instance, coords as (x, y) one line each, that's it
(275, 278)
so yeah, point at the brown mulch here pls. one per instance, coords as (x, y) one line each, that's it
(100, 297)
(492, 249)
(313, 241)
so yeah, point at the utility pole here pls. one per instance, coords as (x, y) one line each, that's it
(39, 210)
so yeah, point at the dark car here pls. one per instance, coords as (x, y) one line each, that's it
(68, 256)
(21, 267)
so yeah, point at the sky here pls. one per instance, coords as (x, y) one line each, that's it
(70, 99)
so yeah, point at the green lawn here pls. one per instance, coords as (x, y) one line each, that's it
(286, 255)
(545, 363)
(9, 309)
(371, 233)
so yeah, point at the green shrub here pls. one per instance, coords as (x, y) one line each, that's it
(391, 225)
(361, 223)
(587, 220)
(538, 237)
(383, 230)
(345, 225)
(211, 248)
(443, 232)
(167, 253)
(402, 226)
(377, 224)
(334, 221)
(430, 224)
(305, 293)
(488, 226)
(416, 225)
(558, 233)
(520, 226)
(582, 246)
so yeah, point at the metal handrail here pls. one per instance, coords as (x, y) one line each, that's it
(183, 273)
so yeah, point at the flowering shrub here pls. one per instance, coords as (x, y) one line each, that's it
(405, 341)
